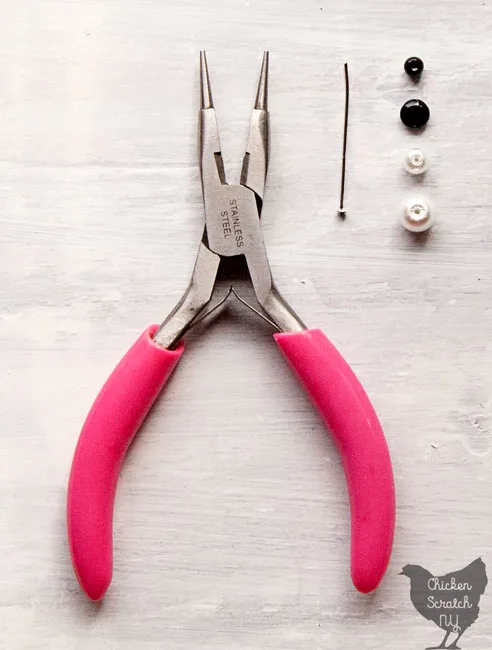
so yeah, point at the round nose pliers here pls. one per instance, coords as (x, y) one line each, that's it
(232, 228)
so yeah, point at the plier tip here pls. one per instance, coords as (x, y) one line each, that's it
(206, 100)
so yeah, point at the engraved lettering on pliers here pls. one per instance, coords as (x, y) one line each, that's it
(231, 223)
(236, 223)
(226, 224)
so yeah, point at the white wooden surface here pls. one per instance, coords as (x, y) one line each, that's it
(232, 523)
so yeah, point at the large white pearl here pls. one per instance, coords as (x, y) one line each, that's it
(416, 162)
(417, 215)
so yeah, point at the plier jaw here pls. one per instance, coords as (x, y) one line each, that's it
(232, 218)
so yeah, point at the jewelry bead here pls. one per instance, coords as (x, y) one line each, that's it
(414, 66)
(417, 215)
(416, 162)
(415, 113)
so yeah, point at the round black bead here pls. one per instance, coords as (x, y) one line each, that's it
(414, 66)
(414, 113)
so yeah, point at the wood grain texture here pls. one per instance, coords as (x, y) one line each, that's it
(232, 522)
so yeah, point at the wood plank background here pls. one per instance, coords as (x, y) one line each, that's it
(232, 522)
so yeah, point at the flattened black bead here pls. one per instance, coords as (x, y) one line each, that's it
(414, 113)
(414, 66)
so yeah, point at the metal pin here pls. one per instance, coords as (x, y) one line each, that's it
(341, 210)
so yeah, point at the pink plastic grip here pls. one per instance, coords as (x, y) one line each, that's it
(113, 421)
(347, 411)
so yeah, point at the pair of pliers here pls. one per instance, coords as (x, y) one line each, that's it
(232, 229)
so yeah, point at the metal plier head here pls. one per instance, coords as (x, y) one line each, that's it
(232, 218)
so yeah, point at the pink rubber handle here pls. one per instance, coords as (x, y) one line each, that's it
(347, 411)
(113, 421)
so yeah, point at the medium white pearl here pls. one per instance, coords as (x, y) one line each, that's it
(416, 162)
(417, 215)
